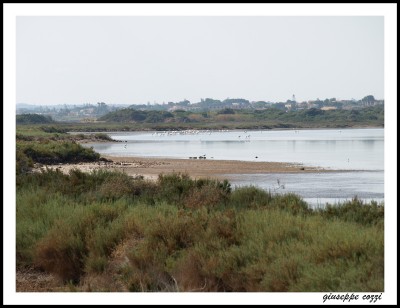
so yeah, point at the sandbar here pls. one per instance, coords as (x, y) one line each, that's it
(151, 167)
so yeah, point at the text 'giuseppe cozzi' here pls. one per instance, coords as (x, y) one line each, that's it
(372, 298)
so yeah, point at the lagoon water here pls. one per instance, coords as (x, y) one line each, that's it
(359, 151)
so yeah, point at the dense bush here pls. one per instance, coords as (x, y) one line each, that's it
(179, 234)
(23, 163)
(53, 129)
(226, 111)
(250, 118)
(54, 152)
(182, 190)
(102, 136)
(33, 119)
(355, 210)
(131, 115)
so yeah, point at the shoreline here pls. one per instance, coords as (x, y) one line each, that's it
(166, 129)
(150, 168)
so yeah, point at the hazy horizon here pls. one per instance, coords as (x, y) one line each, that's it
(165, 102)
(148, 59)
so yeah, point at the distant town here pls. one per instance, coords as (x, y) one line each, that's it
(90, 112)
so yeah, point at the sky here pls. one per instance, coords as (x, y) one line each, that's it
(156, 59)
(139, 53)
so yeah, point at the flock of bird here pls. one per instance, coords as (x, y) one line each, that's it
(196, 132)
(186, 132)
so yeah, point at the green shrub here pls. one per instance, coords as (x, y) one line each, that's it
(103, 136)
(52, 129)
(178, 188)
(82, 241)
(61, 252)
(250, 197)
(355, 210)
(23, 163)
(33, 118)
(54, 152)
(292, 203)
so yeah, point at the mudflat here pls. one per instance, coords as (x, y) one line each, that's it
(150, 168)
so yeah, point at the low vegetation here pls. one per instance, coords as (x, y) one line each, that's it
(248, 118)
(53, 145)
(54, 152)
(270, 118)
(32, 118)
(106, 231)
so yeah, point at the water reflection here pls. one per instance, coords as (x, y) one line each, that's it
(370, 144)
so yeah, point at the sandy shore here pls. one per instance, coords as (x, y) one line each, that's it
(150, 168)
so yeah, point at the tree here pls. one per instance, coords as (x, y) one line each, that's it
(368, 99)
(226, 111)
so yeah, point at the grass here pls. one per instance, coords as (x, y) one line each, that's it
(105, 231)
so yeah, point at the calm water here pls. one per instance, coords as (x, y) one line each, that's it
(346, 149)
(319, 188)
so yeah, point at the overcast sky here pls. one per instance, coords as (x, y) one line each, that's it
(141, 59)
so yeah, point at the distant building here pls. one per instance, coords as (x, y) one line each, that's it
(302, 105)
(174, 108)
(328, 108)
